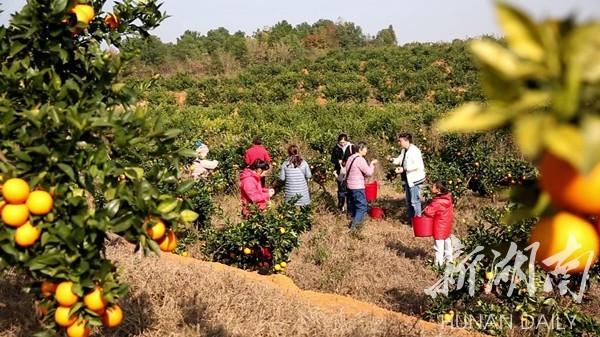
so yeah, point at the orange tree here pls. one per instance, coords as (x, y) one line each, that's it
(72, 147)
(543, 85)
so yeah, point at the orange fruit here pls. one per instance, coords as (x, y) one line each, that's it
(15, 191)
(168, 243)
(84, 13)
(65, 295)
(569, 188)
(570, 235)
(157, 230)
(27, 235)
(40, 202)
(247, 251)
(15, 215)
(62, 317)
(113, 316)
(111, 21)
(47, 288)
(78, 329)
(95, 300)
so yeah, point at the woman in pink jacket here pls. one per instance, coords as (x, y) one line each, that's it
(356, 171)
(251, 189)
(442, 212)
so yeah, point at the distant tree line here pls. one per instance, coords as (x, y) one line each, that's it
(220, 51)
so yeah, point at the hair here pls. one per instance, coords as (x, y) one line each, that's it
(257, 140)
(294, 154)
(441, 186)
(342, 136)
(259, 164)
(360, 146)
(406, 136)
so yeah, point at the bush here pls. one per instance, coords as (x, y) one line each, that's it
(261, 242)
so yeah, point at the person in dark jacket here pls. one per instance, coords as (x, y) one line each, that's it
(442, 212)
(339, 155)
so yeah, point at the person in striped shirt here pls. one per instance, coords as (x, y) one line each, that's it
(295, 172)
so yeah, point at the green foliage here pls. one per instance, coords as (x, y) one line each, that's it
(493, 297)
(538, 85)
(69, 127)
(269, 235)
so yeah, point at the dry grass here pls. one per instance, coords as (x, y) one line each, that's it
(174, 296)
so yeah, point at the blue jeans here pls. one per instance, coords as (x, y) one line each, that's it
(357, 207)
(413, 200)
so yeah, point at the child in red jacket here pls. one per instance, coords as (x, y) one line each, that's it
(442, 212)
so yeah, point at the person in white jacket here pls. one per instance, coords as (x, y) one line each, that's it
(412, 170)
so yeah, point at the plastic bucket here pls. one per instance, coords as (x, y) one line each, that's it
(371, 191)
(376, 213)
(422, 226)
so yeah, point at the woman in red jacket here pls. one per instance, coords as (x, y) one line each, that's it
(442, 212)
(251, 189)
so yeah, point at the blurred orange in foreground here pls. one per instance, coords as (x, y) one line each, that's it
(567, 241)
(569, 188)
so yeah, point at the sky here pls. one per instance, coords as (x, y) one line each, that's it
(415, 20)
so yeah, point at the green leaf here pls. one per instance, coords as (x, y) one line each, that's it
(134, 173)
(189, 153)
(186, 186)
(502, 60)
(59, 6)
(117, 87)
(189, 216)
(172, 133)
(67, 170)
(473, 117)
(528, 131)
(591, 139)
(167, 206)
(521, 33)
(113, 207)
(566, 142)
(15, 48)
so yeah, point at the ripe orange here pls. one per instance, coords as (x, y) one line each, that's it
(62, 317)
(84, 13)
(78, 329)
(157, 230)
(569, 188)
(65, 295)
(15, 191)
(283, 264)
(47, 288)
(95, 300)
(570, 235)
(113, 316)
(27, 235)
(40, 202)
(247, 251)
(111, 21)
(168, 243)
(15, 215)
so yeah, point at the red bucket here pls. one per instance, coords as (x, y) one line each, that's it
(371, 191)
(422, 226)
(376, 213)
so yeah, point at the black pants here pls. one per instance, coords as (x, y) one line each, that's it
(342, 195)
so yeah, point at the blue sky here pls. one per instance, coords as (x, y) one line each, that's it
(416, 20)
